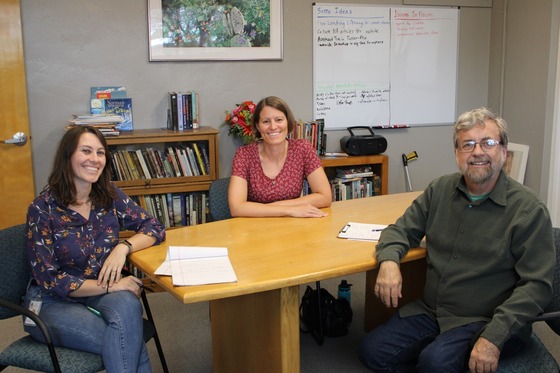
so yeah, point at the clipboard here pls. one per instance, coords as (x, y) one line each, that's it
(361, 231)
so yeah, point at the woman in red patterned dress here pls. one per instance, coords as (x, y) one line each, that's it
(268, 175)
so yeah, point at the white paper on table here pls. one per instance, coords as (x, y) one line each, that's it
(361, 231)
(196, 265)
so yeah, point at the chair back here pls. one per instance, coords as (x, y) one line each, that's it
(554, 305)
(14, 267)
(218, 196)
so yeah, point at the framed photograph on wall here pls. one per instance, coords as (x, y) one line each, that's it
(208, 30)
(516, 162)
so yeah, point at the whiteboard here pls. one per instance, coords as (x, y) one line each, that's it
(384, 66)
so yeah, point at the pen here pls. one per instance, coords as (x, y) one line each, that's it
(95, 312)
(376, 230)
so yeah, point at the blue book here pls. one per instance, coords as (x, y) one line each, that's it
(107, 92)
(115, 106)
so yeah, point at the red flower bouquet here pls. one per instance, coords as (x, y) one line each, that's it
(239, 121)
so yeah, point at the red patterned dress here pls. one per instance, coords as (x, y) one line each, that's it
(301, 161)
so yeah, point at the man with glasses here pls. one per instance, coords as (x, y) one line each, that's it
(490, 260)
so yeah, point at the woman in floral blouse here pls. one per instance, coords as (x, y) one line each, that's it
(267, 176)
(76, 256)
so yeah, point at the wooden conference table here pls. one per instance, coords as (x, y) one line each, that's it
(255, 321)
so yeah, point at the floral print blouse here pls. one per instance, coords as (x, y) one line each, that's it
(65, 249)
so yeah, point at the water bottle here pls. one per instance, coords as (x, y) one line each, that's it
(344, 290)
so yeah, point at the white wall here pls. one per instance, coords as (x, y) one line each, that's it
(70, 46)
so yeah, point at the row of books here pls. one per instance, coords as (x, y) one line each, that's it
(177, 209)
(314, 132)
(190, 159)
(357, 187)
(183, 113)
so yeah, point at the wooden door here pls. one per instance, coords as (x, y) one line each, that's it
(16, 173)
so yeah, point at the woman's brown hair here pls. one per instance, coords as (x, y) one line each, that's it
(61, 179)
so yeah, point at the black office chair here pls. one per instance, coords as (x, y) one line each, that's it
(535, 357)
(26, 352)
(218, 199)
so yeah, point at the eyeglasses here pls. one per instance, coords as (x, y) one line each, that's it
(486, 145)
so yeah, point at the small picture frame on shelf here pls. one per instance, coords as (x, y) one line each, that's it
(251, 30)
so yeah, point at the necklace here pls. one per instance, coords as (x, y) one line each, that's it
(88, 203)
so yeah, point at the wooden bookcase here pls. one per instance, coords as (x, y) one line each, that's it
(379, 164)
(162, 139)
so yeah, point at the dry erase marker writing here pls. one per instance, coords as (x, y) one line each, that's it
(95, 312)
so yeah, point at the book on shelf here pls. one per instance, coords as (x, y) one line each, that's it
(153, 163)
(108, 132)
(177, 209)
(116, 106)
(115, 172)
(164, 210)
(199, 160)
(312, 131)
(174, 161)
(159, 162)
(167, 167)
(183, 111)
(353, 172)
(131, 166)
(205, 157)
(184, 162)
(172, 123)
(112, 100)
(192, 161)
(104, 92)
(143, 164)
(358, 187)
(123, 165)
(169, 200)
(149, 163)
(105, 120)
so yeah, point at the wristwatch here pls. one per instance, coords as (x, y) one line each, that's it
(127, 244)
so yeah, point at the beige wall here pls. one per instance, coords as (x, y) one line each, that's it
(525, 78)
(70, 47)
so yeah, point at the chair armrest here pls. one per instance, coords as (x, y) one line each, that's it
(40, 324)
(547, 316)
(32, 315)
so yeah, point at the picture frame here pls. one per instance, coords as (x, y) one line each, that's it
(179, 33)
(516, 162)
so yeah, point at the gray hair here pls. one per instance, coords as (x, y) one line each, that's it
(477, 117)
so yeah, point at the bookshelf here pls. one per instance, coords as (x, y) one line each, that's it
(154, 186)
(378, 163)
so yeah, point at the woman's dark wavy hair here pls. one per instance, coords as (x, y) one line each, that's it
(278, 104)
(61, 180)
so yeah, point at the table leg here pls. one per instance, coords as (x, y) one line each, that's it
(414, 277)
(256, 332)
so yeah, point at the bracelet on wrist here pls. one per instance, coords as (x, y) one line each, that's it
(127, 244)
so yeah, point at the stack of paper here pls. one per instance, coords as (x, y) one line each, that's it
(196, 265)
(361, 231)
